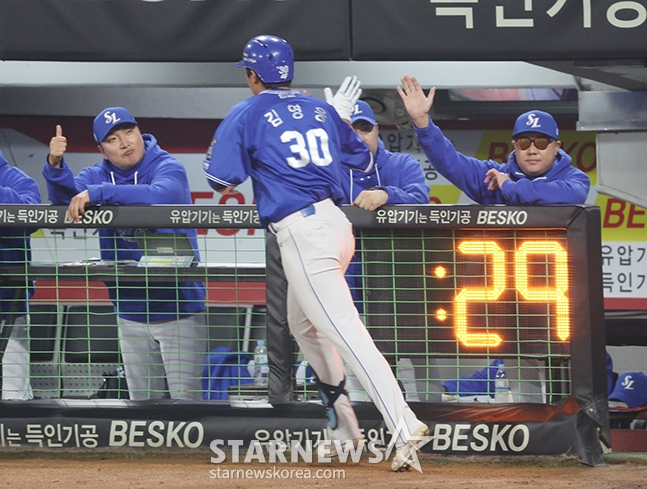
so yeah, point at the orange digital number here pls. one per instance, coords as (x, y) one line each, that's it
(480, 294)
(555, 294)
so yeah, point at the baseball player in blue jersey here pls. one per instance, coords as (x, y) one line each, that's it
(538, 171)
(162, 325)
(16, 187)
(395, 178)
(294, 148)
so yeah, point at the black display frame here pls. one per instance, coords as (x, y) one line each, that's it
(581, 418)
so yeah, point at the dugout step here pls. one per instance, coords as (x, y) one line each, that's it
(252, 395)
(249, 395)
(628, 431)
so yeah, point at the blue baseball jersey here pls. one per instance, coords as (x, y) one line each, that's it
(291, 145)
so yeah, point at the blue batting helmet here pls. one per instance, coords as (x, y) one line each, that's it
(270, 57)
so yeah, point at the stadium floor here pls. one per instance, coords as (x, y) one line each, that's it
(171, 471)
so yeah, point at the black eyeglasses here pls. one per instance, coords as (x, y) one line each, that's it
(540, 142)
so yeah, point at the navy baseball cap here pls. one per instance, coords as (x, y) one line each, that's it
(362, 112)
(110, 118)
(631, 388)
(536, 121)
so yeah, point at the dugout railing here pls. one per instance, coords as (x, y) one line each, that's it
(445, 291)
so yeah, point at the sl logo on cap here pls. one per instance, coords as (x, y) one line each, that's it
(533, 121)
(111, 117)
(628, 383)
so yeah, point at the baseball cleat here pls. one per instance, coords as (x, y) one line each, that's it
(402, 459)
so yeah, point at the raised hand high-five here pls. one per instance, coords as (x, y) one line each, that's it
(344, 100)
(57, 148)
(415, 101)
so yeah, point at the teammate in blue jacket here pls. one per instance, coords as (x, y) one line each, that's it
(162, 325)
(538, 171)
(396, 178)
(294, 147)
(16, 187)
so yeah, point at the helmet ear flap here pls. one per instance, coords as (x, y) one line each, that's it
(271, 58)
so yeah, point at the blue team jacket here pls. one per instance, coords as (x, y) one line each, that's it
(158, 179)
(16, 187)
(562, 184)
(402, 177)
(399, 174)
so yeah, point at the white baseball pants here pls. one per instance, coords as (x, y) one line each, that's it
(315, 251)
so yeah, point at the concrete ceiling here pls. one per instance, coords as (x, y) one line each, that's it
(208, 90)
(622, 74)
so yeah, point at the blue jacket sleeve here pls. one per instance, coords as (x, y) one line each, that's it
(18, 188)
(168, 186)
(573, 189)
(464, 172)
(356, 154)
(61, 185)
(410, 186)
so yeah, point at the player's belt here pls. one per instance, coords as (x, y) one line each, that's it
(308, 211)
(290, 219)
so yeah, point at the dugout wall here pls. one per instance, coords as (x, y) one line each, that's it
(446, 289)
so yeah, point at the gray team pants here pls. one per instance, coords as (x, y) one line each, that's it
(15, 363)
(158, 353)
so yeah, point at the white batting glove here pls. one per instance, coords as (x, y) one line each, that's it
(345, 98)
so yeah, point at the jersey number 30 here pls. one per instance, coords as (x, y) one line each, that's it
(311, 148)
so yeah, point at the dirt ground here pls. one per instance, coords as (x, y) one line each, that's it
(170, 471)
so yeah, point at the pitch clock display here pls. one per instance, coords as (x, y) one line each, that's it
(456, 291)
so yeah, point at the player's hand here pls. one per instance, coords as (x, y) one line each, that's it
(57, 147)
(345, 98)
(371, 199)
(494, 179)
(77, 206)
(415, 101)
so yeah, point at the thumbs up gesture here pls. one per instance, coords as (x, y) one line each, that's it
(57, 147)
